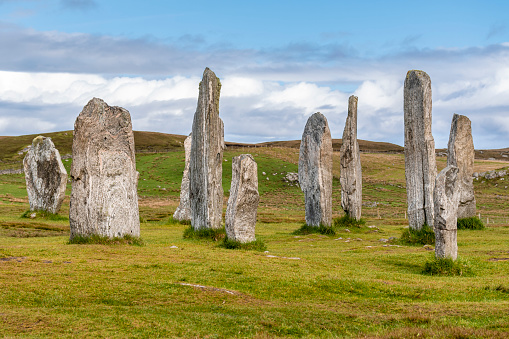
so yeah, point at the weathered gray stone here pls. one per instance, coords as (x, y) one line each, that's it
(420, 163)
(45, 176)
(350, 160)
(183, 211)
(104, 198)
(205, 168)
(315, 170)
(461, 154)
(446, 199)
(242, 207)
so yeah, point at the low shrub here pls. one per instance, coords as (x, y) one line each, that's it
(424, 236)
(257, 245)
(472, 223)
(44, 215)
(215, 234)
(322, 229)
(347, 221)
(104, 240)
(447, 267)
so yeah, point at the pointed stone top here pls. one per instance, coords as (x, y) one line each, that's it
(353, 97)
(416, 78)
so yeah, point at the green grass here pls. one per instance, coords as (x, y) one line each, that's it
(322, 229)
(447, 267)
(424, 236)
(44, 215)
(104, 240)
(214, 234)
(172, 221)
(257, 245)
(473, 223)
(347, 221)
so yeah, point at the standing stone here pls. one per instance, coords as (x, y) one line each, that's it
(45, 176)
(183, 211)
(315, 171)
(446, 198)
(461, 154)
(104, 198)
(350, 159)
(420, 165)
(242, 207)
(205, 168)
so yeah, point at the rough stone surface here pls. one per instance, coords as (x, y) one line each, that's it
(45, 176)
(242, 207)
(205, 168)
(104, 198)
(183, 211)
(315, 170)
(420, 163)
(461, 154)
(446, 198)
(350, 160)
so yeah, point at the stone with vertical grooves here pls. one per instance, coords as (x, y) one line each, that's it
(350, 160)
(104, 197)
(205, 167)
(315, 170)
(420, 163)
(242, 206)
(183, 211)
(461, 154)
(45, 176)
(446, 198)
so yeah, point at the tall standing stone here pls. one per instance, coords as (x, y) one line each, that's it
(205, 169)
(420, 165)
(315, 170)
(350, 160)
(104, 198)
(45, 176)
(446, 198)
(242, 206)
(183, 211)
(461, 154)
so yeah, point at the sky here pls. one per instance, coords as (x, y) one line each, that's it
(279, 62)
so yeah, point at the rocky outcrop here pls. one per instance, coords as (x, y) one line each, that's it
(45, 176)
(104, 198)
(350, 160)
(446, 199)
(205, 168)
(242, 207)
(461, 154)
(420, 164)
(315, 170)
(183, 211)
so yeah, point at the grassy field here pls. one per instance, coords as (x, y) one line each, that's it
(347, 285)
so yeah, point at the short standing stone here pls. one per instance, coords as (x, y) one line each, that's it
(461, 154)
(45, 176)
(420, 163)
(205, 167)
(350, 159)
(446, 198)
(315, 170)
(104, 198)
(242, 207)
(183, 211)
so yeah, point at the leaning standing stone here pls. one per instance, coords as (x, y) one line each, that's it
(461, 154)
(104, 198)
(183, 211)
(243, 202)
(446, 198)
(420, 165)
(315, 171)
(350, 159)
(205, 168)
(45, 176)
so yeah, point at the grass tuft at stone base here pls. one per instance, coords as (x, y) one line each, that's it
(447, 267)
(96, 239)
(472, 223)
(214, 234)
(347, 221)
(43, 215)
(172, 221)
(322, 229)
(424, 236)
(257, 245)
